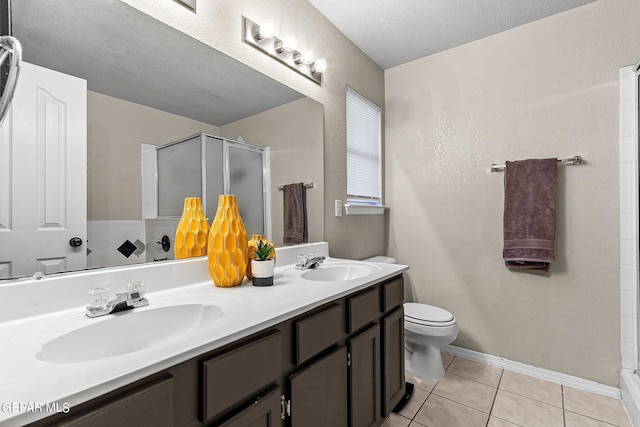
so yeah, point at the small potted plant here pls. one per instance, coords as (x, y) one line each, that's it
(262, 265)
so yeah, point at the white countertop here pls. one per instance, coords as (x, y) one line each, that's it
(28, 383)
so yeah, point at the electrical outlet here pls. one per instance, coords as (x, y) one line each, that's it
(338, 207)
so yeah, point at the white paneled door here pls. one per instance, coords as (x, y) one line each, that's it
(43, 175)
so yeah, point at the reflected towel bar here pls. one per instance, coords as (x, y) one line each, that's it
(307, 185)
(575, 160)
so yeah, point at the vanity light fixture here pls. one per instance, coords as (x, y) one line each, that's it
(189, 4)
(263, 38)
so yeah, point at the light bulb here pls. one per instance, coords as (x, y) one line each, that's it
(266, 30)
(308, 57)
(289, 42)
(319, 66)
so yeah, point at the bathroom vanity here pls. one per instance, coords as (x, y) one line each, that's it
(321, 347)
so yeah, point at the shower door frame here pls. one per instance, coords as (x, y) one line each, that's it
(630, 245)
(636, 81)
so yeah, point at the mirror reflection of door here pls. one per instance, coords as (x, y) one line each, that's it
(43, 175)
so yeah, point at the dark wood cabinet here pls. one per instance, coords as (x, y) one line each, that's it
(363, 308)
(263, 412)
(393, 385)
(318, 393)
(239, 373)
(339, 364)
(364, 378)
(317, 332)
(150, 405)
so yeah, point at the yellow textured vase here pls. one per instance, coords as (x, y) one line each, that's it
(192, 231)
(252, 246)
(227, 249)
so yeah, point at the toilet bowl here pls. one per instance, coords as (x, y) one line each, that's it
(426, 330)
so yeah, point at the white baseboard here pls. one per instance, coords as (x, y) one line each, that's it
(545, 374)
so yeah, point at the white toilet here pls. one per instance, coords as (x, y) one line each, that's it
(426, 330)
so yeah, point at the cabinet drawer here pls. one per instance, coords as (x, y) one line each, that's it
(362, 309)
(392, 294)
(151, 404)
(238, 373)
(317, 332)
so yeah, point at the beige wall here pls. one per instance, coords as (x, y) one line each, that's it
(218, 24)
(547, 89)
(294, 133)
(115, 130)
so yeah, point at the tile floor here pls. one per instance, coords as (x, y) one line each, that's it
(474, 394)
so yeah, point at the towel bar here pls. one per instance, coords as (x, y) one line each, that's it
(306, 185)
(575, 160)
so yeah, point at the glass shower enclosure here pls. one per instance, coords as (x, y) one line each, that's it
(207, 166)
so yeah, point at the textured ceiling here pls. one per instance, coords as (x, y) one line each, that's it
(126, 54)
(393, 32)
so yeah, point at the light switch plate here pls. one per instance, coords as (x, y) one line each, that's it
(338, 207)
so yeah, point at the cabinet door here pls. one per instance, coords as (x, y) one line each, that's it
(392, 360)
(264, 412)
(364, 378)
(319, 392)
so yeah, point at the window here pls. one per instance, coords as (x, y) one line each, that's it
(364, 183)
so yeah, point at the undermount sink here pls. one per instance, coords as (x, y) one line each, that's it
(128, 332)
(337, 273)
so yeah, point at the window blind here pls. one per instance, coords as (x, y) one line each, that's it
(363, 149)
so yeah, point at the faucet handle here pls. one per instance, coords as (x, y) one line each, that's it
(138, 287)
(98, 297)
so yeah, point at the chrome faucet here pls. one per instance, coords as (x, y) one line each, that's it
(99, 305)
(306, 262)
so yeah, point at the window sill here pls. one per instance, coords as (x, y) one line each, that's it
(364, 209)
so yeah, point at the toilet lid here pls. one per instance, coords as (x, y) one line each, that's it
(427, 314)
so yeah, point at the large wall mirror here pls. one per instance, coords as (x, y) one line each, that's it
(147, 84)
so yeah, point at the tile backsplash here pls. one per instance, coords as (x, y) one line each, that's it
(113, 243)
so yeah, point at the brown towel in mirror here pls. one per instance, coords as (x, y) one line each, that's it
(295, 214)
(530, 214)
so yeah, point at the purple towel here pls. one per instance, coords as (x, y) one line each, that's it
(530, 214)
(295, 214)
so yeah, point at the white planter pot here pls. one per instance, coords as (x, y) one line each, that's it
(262, 272)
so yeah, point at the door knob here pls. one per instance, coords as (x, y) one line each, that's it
(165, 243)
(75, 242)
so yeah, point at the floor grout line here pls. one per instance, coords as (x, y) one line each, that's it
(564, 414)
(495, 397)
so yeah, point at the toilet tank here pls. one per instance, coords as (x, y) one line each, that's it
(381, 259)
